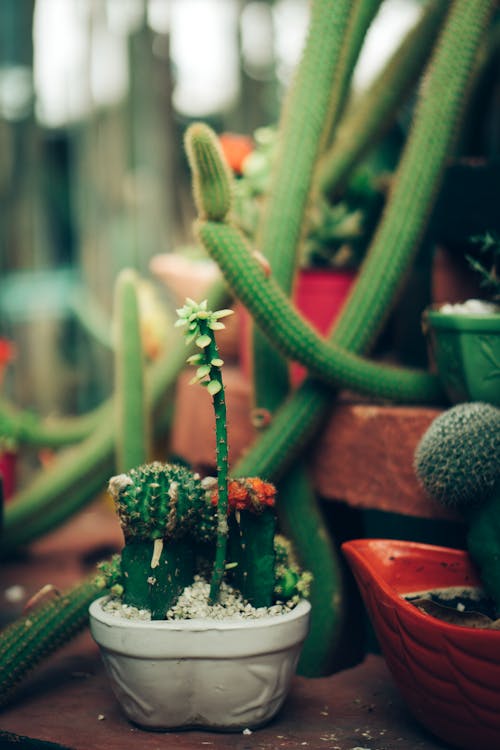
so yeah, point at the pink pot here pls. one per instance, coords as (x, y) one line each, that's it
(448, 674)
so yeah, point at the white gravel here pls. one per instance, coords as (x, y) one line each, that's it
(193, 604)
(471, 307)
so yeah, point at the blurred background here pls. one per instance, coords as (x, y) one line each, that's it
(94, 98)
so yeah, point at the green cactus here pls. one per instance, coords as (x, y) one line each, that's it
(252, 527)
(275, 450)
(33, 637)
(295, 338)
(367, 117)
(132, 434)
(456, 462)
(201, 324)
(164, 514)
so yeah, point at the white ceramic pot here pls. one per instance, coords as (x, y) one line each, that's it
(224, 675)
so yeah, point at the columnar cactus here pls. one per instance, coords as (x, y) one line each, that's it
(457, 463)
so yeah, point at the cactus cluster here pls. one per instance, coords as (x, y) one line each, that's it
(456, 462)
(169, 517)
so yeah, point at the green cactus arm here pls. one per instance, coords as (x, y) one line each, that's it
(132, 427)
(312, 106)
(23, 427)
(366, 118)
(80, 472)
(33, 637)
(430, 143)
(361, 17)
(294, 337)
(305, 122)
(212, 193)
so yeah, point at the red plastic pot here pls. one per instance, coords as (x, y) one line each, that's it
(8, 461)
(448, 674)
(319, 295)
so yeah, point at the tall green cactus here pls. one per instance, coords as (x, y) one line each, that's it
(132, 436)
(368, 115)
(201, 323)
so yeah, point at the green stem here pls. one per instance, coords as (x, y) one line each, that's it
(368, 116)
(132, 432)
(211, 354)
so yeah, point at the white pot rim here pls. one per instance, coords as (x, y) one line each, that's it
(198, 638)
(196, 624)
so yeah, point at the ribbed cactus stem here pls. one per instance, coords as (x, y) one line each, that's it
(360, 19)
(201, 326)
(28, 640)
(368, 115)
(305, 124)
(132, 429)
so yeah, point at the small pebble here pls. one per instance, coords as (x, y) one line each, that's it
(247, 731)
(15, 594)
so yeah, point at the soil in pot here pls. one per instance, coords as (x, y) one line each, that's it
(467, 606)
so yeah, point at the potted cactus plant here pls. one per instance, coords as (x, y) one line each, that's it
(464, 339)
(205, 624)
(445, 662)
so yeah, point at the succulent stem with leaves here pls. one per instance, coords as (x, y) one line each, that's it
(201, 325)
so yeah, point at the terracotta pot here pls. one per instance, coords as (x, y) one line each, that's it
(319, 295)
(448, 674)
(465, 350)
(210, 674)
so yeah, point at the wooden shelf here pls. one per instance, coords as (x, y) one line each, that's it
(363, 457)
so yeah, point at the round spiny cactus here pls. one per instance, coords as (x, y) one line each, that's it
(456, 460)
(162, 501)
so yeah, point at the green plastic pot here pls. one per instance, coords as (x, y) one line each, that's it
(465, 349)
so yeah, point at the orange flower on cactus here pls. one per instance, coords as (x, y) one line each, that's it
(236, 148)
(248, 494)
